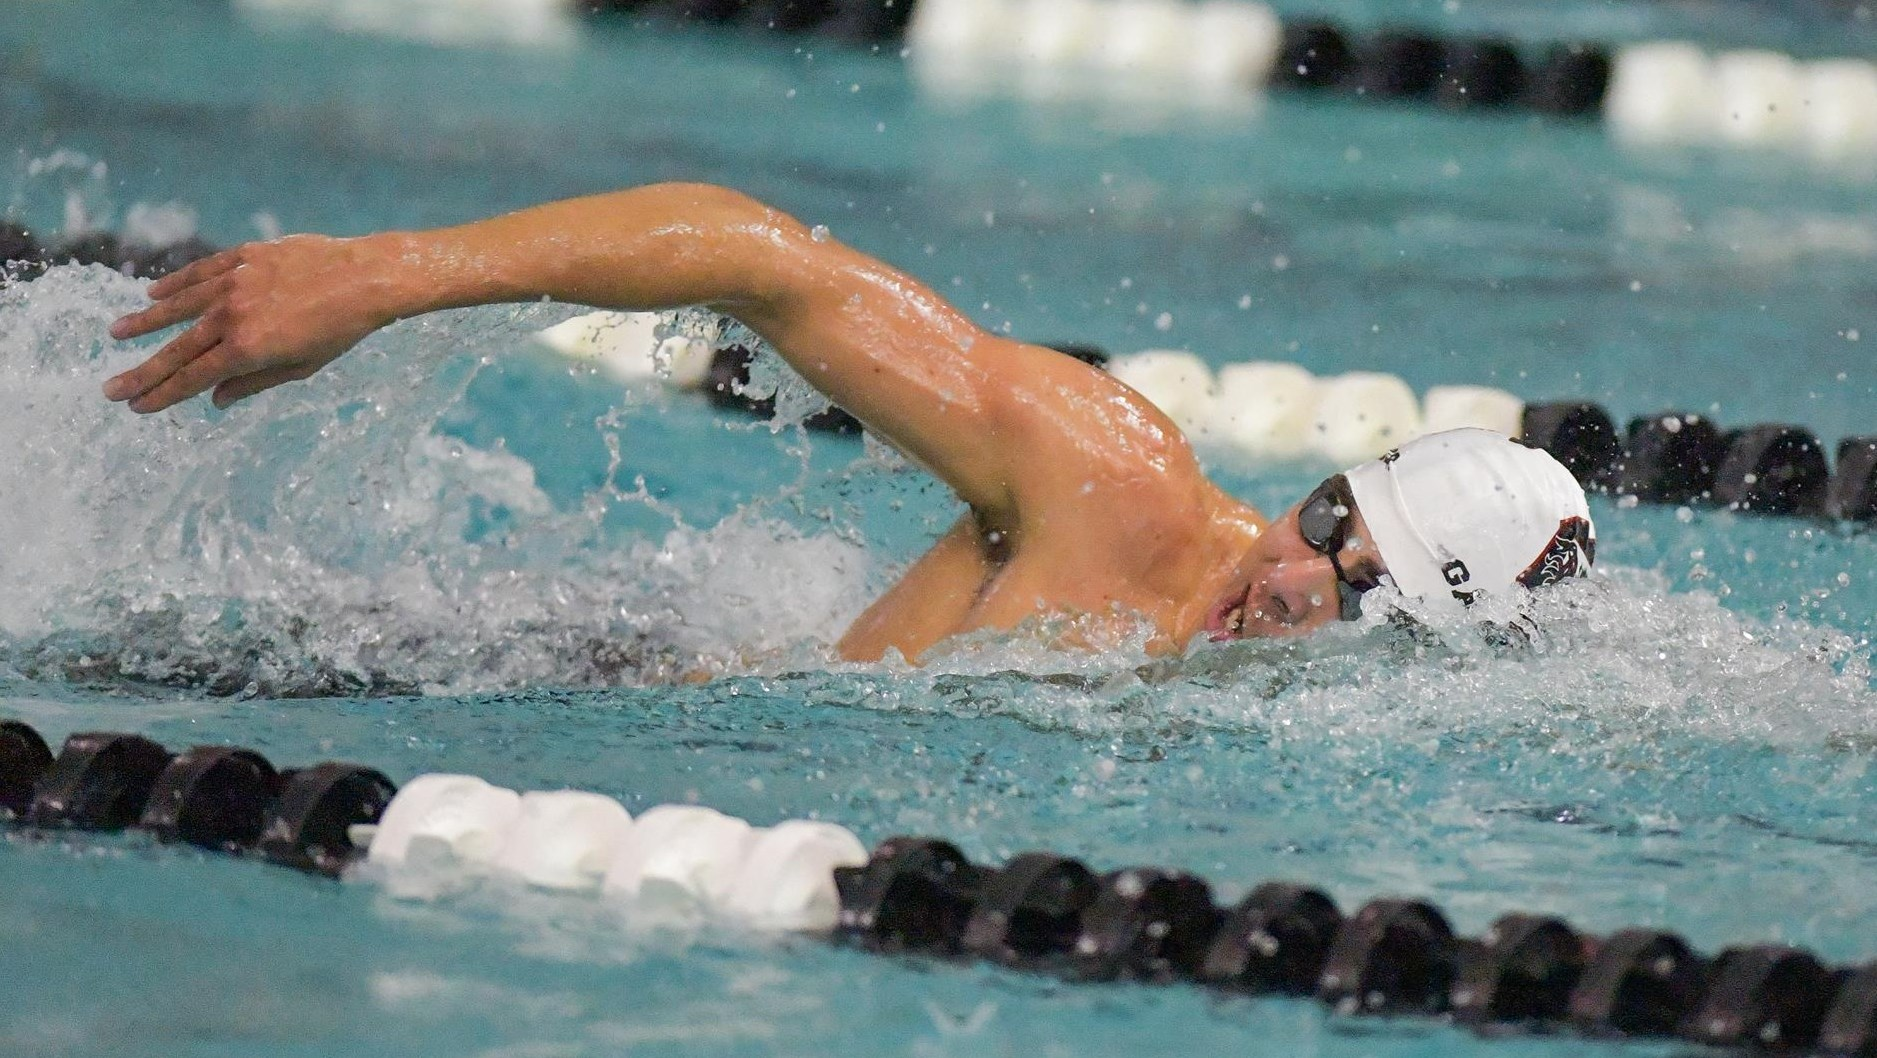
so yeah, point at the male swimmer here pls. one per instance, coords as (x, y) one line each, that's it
(1084, 500)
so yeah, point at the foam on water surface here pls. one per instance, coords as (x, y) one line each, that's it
(333, 536)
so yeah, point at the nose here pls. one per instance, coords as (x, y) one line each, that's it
(1293, 596)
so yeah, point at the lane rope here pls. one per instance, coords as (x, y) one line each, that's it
(1651, 92)
(1040, 913)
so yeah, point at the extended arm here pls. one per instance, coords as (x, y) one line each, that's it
(875, 340)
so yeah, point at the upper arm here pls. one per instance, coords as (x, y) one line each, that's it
(1000, 421)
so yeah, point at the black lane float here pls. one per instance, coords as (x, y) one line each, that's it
(1051, 914)
(1525, 974)
(1679, 458)
(220, 798)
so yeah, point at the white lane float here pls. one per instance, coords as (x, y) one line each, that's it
(951, 32)
(1175, 381)
(1232, 44)
(1451, 407)
(632, 347)
(1095, 47)
(674, 865)
(1055, 33)
(1266, 409)
(787, 880)
(1760, 98)
(1361, 414)
(1661, 93)
(563, 839)
(443, 817)
(1148, 39)
(1840, 99)
(529, 23)
(1674, 93)
(679, 860)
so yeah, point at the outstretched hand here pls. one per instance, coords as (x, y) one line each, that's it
(264, 314)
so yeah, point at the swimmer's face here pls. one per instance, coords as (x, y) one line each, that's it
(1286, 585)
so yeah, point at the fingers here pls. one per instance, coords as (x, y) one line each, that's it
(197, 271)
(146, 376)
(245, 386)
(197, 375)
(186, 305)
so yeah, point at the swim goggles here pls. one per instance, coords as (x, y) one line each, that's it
(1323, 521)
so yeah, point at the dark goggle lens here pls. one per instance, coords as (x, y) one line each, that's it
(1325, 511)
(1319, 523)
(1322, 522)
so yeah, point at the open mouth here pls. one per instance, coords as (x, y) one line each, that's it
(1228, 620)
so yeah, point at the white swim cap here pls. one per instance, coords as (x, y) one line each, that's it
(1466, 511)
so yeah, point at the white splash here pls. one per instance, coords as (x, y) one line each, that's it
(328, 537)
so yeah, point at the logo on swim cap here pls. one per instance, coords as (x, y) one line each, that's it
(1569, 554)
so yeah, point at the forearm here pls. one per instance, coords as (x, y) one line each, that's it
(655, 247)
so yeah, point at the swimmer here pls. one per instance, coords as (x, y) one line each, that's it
(1084, 501)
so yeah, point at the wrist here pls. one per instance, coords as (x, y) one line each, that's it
(395, 281)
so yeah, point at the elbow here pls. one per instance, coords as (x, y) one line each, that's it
(760, 251)
(727, 206)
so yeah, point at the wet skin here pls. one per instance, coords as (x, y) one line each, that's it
(1084, 500)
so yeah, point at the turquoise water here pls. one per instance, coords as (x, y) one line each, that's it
(428, 559)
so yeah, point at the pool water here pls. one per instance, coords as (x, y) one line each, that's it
(452, 552)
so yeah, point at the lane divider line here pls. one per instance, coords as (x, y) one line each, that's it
(1040, 913)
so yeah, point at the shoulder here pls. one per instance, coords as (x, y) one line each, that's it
(1094, 461)
(1079, 425)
